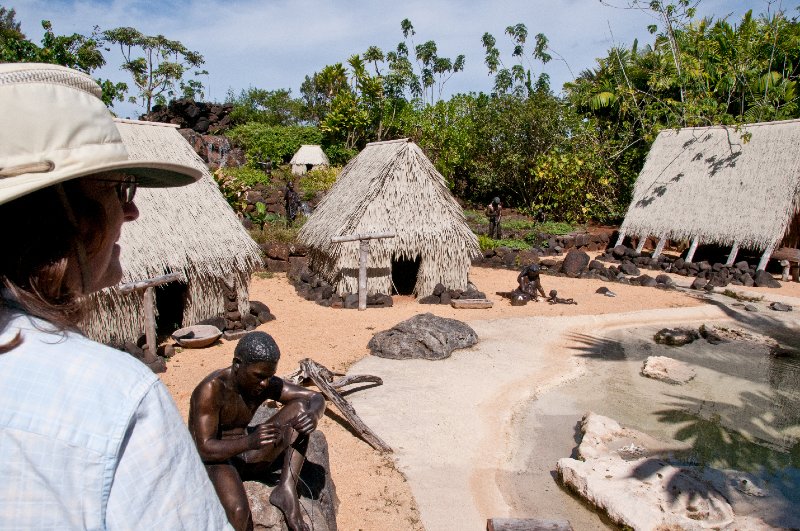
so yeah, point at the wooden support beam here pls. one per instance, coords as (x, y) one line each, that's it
(762, 264)
(732, 256)
(363, 256)
(358, 237)
(149, 303)
(640, 245)
(692, 249)
(620, 239)
(323, 379)
(150, 282)
(659, 247)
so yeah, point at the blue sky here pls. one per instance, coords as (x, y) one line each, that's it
(274, 44)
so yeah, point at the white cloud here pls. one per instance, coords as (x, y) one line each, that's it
(275, 43)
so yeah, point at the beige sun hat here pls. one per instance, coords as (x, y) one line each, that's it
(55, 128)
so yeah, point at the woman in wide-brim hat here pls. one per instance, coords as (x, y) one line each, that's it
(89, 437)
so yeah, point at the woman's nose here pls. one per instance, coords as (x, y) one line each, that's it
(130, 211)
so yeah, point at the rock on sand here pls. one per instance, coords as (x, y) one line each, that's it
(667, 370)
(623, 475)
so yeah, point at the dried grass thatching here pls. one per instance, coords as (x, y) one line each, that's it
(709, 182)
(191, 230)
(308, 154)
(391, 187)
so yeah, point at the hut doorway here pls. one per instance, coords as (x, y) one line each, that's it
(170, 300)
(404, 275)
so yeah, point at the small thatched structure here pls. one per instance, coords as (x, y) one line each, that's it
(189, 230)
(709, 185)
(308, 157)
(391, 187)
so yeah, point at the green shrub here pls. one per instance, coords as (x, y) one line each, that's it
(233, 190)
(248, 176)
(275, 142)
(318, 180)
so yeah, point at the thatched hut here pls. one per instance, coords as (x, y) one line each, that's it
(189, 230)
(308, 157)
(391, 187)
(713, 185)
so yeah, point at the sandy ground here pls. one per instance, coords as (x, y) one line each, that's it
(381, 492)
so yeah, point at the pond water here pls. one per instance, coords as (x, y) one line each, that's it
(741, 411)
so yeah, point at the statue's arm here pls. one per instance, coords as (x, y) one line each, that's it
(204, 426)
(314, 406)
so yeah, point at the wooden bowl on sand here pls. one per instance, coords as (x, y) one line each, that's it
(196, 336)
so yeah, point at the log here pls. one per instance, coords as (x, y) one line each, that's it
(298, 378)
(526, 524)
(322, 377)
(148, 304)
(357, 237)
(150, 282)
(462, 304)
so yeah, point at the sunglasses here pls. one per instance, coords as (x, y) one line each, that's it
(125, 188)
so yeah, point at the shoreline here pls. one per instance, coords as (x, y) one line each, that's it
(373, 491)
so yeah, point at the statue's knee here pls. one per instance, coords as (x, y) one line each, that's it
(240, 512)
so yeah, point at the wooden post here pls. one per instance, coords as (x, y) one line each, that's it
(149, 306)
(762, 264)
(732, 256)
(150, 321)
(659, 247)
(692, 249)
(363, 256)
(641, 243)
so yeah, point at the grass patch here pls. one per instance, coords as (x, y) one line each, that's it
(558, 227)
(487, 243)
(476, 217)
(739, 297)
(275, 230)
(264, 274)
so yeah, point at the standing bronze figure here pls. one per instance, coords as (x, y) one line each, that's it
(292, 203)
(494, 211)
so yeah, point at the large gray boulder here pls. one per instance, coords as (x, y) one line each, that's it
(423, 336)
(317, 491)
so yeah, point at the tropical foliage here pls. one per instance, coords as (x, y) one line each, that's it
(571, 156)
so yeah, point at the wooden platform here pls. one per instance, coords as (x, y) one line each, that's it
(526, 524)
(464, 304)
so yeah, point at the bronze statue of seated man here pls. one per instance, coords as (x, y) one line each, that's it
(223, 405)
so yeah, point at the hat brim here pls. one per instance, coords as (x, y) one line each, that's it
(149, 174)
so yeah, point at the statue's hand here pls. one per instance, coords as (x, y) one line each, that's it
(304, 423)
(264, 434)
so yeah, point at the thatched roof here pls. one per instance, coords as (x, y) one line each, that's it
(709, 182)
(190, 229)
(391, 187)
(310, 154)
